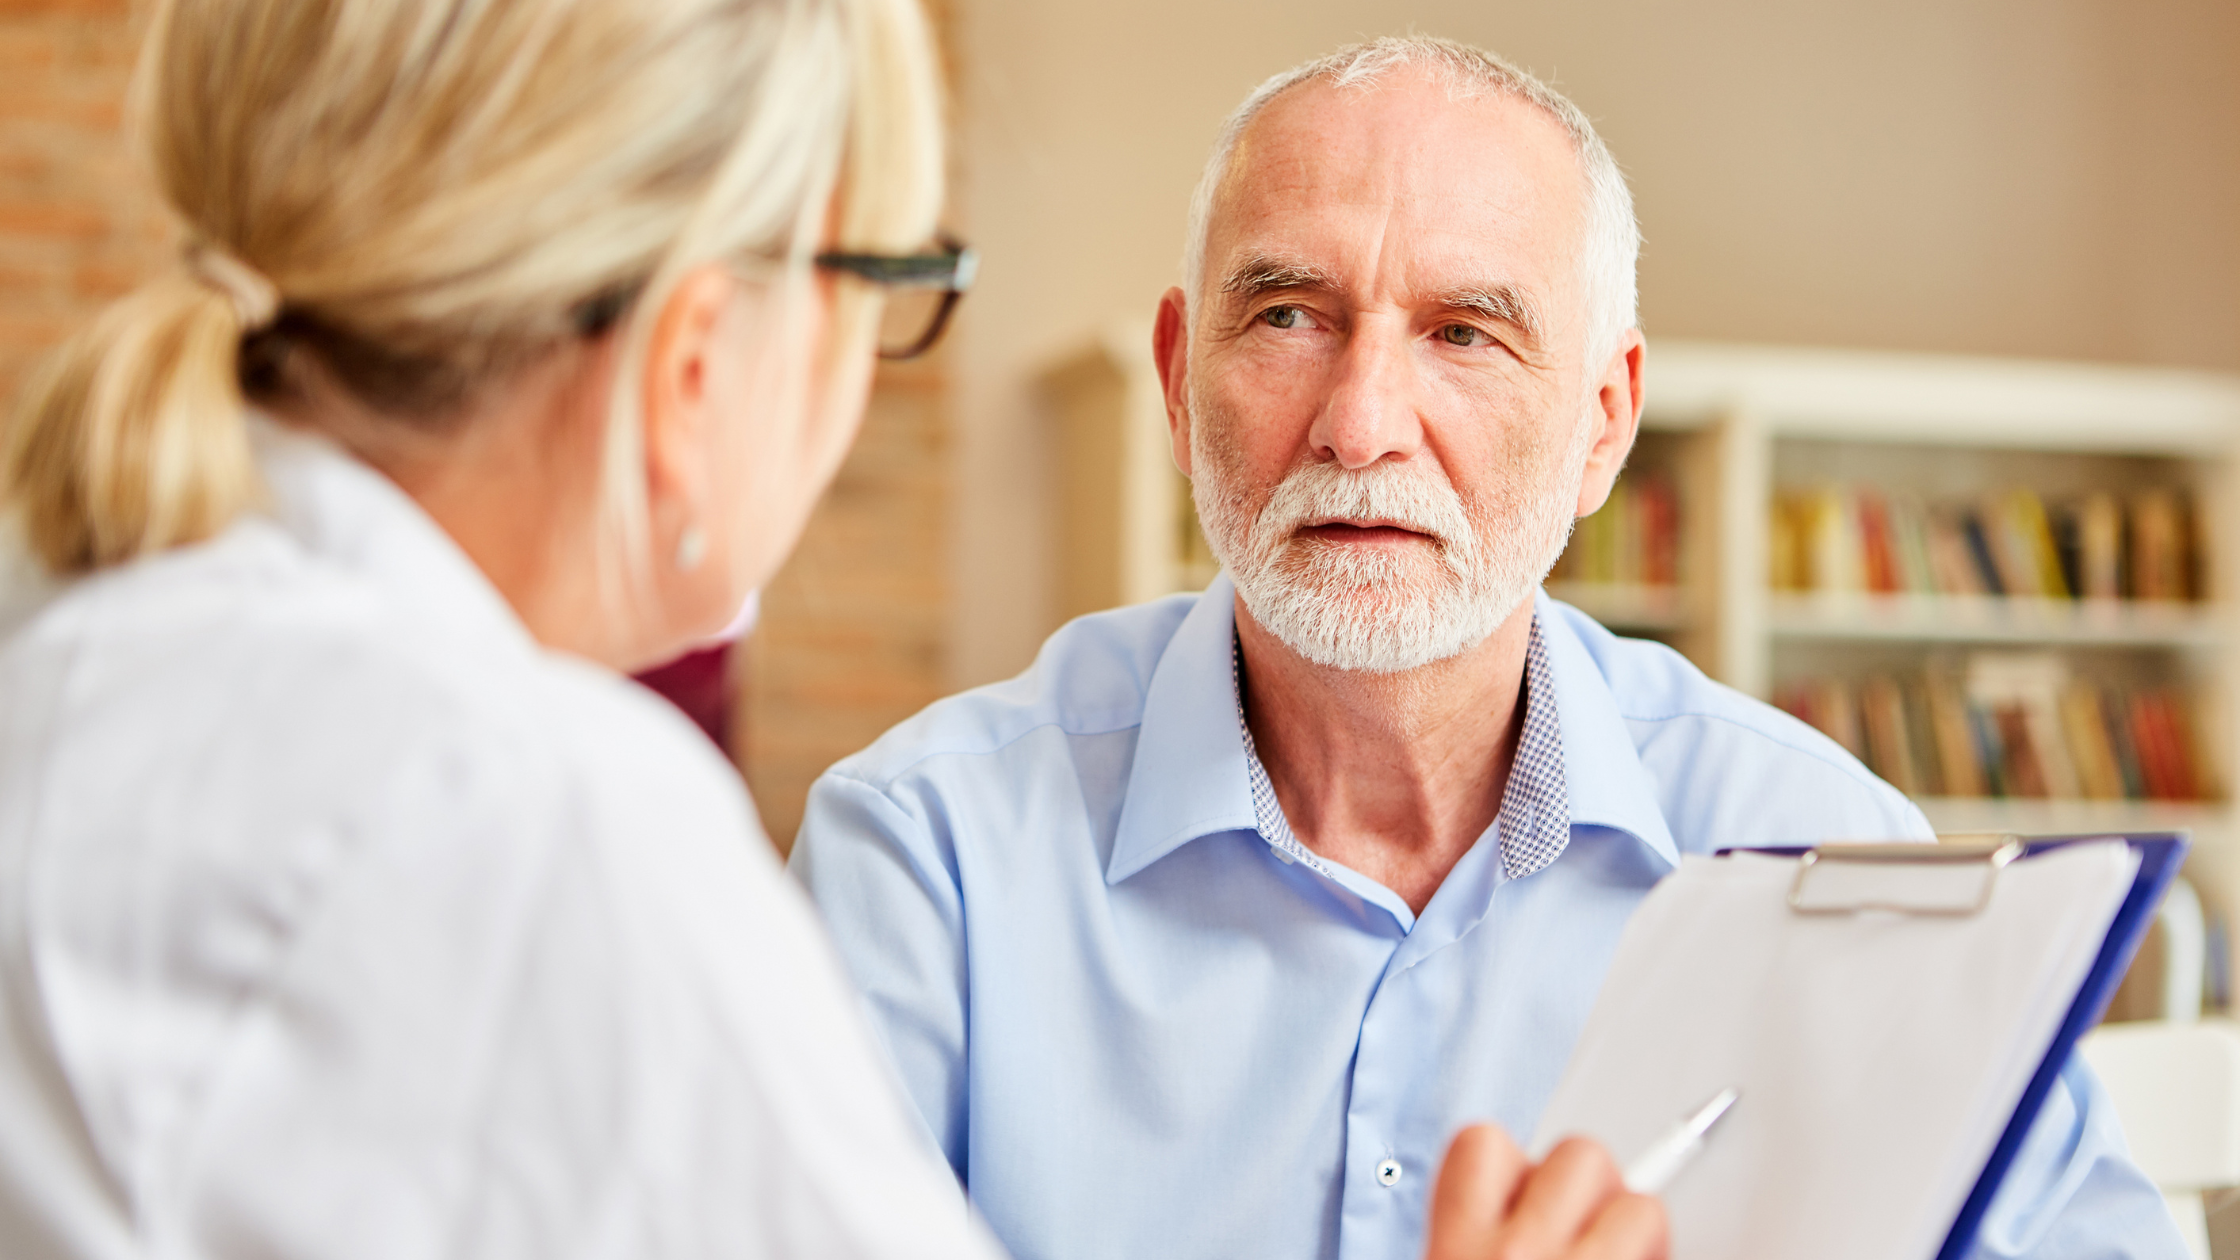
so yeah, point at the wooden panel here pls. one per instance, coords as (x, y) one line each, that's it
(852, 636)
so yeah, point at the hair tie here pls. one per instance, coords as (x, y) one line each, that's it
(254, 298)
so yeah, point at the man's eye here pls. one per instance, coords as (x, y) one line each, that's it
(1281, 316)
(1462, 335)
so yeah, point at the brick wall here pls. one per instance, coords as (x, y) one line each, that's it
(853, 631)
(77, 226)
(851, 636)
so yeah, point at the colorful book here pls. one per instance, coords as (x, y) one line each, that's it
(2011, 543)
(2158, 547)
(2013, 724)
(1982, 551)
(2099, 533)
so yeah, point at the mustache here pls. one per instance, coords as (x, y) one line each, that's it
(1417, 500)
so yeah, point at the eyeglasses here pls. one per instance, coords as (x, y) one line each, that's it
(922, 291)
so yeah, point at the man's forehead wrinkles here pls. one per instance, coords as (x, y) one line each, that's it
(1409, 281)
(1414, 235)
(1422, 224)
(1376, 137)
(1406, 176)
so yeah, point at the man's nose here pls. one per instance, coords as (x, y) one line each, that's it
(1370, 412)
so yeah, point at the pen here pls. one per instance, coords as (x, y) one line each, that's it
(1654, 1169)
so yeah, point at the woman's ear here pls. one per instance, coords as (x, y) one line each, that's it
(682, 410)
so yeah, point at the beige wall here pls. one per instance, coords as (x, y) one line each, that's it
(2030, 177)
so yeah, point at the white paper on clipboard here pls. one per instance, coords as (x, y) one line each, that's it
(1879, 1054)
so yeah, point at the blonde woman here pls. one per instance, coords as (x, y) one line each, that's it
(351, 903)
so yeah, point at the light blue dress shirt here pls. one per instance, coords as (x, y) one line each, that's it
(1138, 1026)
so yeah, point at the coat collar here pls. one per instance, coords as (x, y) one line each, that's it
(340, 512)
(1601, 763)
(343, 512)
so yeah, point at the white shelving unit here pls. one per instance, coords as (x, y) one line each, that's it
(1731, 422)
(1842, 617)
(1737, 415)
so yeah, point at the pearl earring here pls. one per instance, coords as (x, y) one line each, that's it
(692, 548)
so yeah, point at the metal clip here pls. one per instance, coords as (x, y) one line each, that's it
(1945, 879)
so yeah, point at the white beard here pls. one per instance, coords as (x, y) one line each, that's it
(1384, 611)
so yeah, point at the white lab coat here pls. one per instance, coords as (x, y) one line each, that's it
(339, 919)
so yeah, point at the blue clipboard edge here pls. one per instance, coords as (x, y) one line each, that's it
(2160, 856)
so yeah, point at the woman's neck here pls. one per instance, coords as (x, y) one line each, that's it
(513, 476)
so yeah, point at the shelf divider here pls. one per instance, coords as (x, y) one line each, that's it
(1847, 615)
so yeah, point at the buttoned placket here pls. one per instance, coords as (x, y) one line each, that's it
(1530, 830)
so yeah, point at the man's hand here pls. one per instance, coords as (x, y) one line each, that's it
(1492, 1203)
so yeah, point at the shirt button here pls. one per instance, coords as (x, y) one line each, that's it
(1388, 1172)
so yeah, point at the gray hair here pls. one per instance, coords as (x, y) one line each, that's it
(1613, 239)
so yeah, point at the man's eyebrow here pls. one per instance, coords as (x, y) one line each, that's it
(1503, 302)
(1266, 274)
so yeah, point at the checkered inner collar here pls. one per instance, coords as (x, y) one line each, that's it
(1534, 823)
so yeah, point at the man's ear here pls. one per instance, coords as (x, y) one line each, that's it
(1617, 412)
(1170, 348)
(680, 390)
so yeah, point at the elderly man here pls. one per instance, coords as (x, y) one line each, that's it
(1203, 935)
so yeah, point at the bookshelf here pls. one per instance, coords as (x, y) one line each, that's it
(1735, 434)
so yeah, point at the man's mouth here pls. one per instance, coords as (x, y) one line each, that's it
(1365, 533)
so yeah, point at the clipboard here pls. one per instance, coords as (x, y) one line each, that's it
(2160, 856)
(1944, 890)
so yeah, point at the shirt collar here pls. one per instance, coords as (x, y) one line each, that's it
(1535, 817)
(25, 584)
(347, 514)
(1609, 787)
(1190, 777)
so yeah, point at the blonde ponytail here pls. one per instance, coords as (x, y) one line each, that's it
(133, 436)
